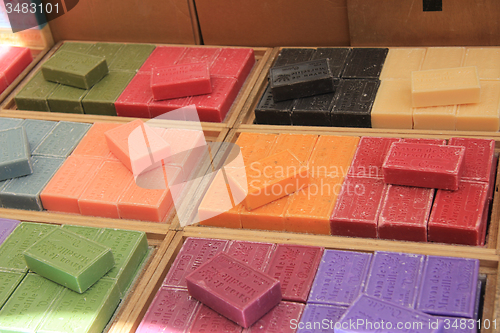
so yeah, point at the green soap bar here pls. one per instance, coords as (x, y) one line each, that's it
(9, 281)
(63, 138)
(27, 307)
(131, 57)
(69, 259)
(75, 47)
(83, 313)
(67, 99)
(87, 232)
(107, 50)
(25, 235)
(138, 271)
(129, 248)
(75, 69)
(34, 94)
(102, 97)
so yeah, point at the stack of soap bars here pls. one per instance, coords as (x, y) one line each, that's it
(126, 87)
(319, 284)
(13, 61)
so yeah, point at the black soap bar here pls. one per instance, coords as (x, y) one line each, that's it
(269, 112)
(292, 56)
(336, 58)
(353, 103)
(313, 111)
(301, 80)
(365, 63)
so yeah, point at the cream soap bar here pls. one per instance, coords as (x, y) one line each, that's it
(392, 106)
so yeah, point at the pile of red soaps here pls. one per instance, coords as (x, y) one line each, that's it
(13, 60)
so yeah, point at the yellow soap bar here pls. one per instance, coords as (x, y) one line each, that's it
(443, 57)
(400, 62)
(487, 61)
(435, 117)
(445, 86)
(392, 107)
(483, 116)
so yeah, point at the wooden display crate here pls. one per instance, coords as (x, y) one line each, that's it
(488, 265)
(262, 56)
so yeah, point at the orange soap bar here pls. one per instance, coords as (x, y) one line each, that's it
(101, 196)
(63, 190)
(301, 145)
(267, 217)
(94, 143)
(332, 155)
(255, 146)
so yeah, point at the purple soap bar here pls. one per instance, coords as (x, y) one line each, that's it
(319, 318)
(6, 227)
(234, 289)
(193, 253)
(395, 277)
(295, 266)
(369, 156)
(207, 320)
(279, 319)
(171, 311)
(340, 278)
(458, 325)
(255, 254)
(449, 286)
(370, 314)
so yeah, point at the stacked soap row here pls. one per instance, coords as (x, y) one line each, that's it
(329, 282)
(126, 89)
(49, 307)
(13, 61)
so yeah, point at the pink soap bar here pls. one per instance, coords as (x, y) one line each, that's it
(234, 289)
(199, 54)
(172, 311)
(280, 319)
(234, 62)
(180, 81)
(158, 108)
(426, 141)
(478, 158)
(193, 253)
(162, 56)
(214, 107)
(207, 320)
(424, 165)
(295, 266)
(255, 254)
(13, 60)
(358, 207)
(405, 213)
(134, 100)
(369, 156)
(457, 217)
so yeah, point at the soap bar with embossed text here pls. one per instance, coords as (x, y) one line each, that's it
(255, 254)
(369, 156)
(207, 320)
(15, 158)
(478, 157)
(279, 319)
(365, 63)
(318, 313)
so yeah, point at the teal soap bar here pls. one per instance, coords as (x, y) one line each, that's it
(8, 123)
(83, 313)
(87, 232)
(75, 69)
(131, 57)
(37, 130)
(25, 235)
(63, 138)
(24, 192)
(102, 97)
(107, 50)
(15, 154)
(9, 280)
(28, 305)
(129, 248)
(33, 96)
(75, 47)
(69, 259)
(67, 99)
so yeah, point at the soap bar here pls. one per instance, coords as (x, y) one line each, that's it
(314, 316)
(216, 282)
(340, 278)
(214, 107)
(301, 145)
(313, 111)
(392, 107)
(279, 319)
(13, 61)
(405, 213)
(450, 286)
(370, 156)
(295, 266)
(427, 141)
(131, 57)
(207, 320)
(15, 160)
(255, 146)
(443, 57)
(94, 143)
(194, 252)
(75, 69)
(423, 165)
(158, 108)
(482, 116)
(66, 315)
(254, 254)
(301, 80)
(365, 63)
(337, 58)
(162, 56)
(67, 99)
(332, 155)
(234, 62)
(368, 312)
(401, 61)
(9, 282)
(435, 117)
(455, 218)
(479, 155)
(199, 54)
(69, 259)
(358, 207)
(33, 96)
(395, 277)
(353, 103)
(487, 61)
(8, 123)
(445, 86)
(133, 102)
(109, 51)
(269, 112)
(63, 138)
(180, 81)
(6, 227)
(271, 216)
(75, 47)
(289, 56)
(37, 130)
(88, 232)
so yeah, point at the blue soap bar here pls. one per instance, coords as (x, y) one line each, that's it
(6, 227)
(37, 130)
(24, 192)
(340, 278)
(15, 156)
(395, 277)
(7, 123)
(319, 318)
(63, 138)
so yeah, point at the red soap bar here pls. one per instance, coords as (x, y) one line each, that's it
(234, 62)
(207, 320)
(199, 54)
(426, 141)
(214, 107)
(369, 156)
(157, 108)
(254, 254)
(13, 60)
(358, 207)
(295, 266)
(234, 289)
(162, 56)
(134, 100)
(478, 158)
(3, 82)
(405, 213)
(280, 319)
(457, 217)
(424, 165)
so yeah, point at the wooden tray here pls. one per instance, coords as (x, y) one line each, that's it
(262, 56)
